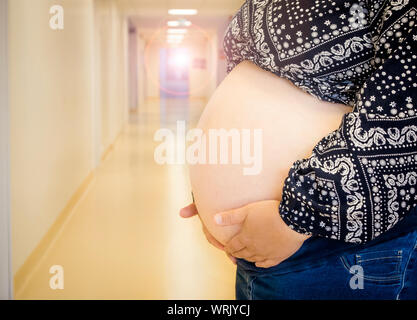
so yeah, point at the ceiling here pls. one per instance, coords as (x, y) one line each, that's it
(160, 7)
(151, 15)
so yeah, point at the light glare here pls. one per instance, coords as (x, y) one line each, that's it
(173, 23)
(182, 12)
(177, 31)
(180, 59)
(174, 41)
(175, 36)
(179, 23)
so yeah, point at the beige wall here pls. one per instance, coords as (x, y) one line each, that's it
(141, 73)
(111, 32)
(199, 77)
(151, 65)
(6, 291)
(203, 81)
(59, 82)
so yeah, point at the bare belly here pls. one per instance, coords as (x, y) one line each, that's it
(292, 123)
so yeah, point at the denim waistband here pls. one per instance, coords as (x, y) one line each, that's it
(316, 249)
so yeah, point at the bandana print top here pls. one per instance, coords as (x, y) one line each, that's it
(361, 179)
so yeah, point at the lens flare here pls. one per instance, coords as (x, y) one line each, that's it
(181, 58)
(175, 41)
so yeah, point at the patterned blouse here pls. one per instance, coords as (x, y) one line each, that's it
(361, 179)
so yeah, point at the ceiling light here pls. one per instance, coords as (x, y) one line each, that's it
(182, 12)
(175, 36)
(177, 31)
(179, 23)
(174, 41)
(173, 23)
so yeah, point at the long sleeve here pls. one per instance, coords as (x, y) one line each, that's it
(362, 178)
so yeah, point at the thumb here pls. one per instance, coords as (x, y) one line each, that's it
(189, 211)
(231, 217)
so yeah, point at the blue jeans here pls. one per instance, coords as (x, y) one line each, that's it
(385, 268)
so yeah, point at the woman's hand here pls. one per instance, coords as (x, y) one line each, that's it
(264, 237)
(190, 211)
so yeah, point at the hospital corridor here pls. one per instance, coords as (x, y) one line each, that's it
(207, 159)
(90, 84)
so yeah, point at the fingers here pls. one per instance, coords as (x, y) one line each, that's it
(255, 259)
(234, 245)
(227, 218)
(243, 254)
(189, 211)
(267, 263)
(248, 255)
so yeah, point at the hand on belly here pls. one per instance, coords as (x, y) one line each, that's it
(292, 122)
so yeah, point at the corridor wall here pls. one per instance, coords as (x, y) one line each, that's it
(68, 103)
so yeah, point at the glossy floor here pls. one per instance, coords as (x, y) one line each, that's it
(124, 239)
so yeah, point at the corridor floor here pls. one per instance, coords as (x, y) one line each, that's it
(124, 239)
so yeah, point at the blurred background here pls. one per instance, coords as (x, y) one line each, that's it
(85, 101)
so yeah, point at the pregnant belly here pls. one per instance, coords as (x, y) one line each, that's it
(292, 122)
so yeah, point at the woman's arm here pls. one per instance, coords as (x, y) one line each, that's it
(362, 179)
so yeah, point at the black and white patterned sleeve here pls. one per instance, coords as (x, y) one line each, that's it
(362, 178)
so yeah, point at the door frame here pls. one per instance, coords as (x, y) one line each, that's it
(6, 283)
